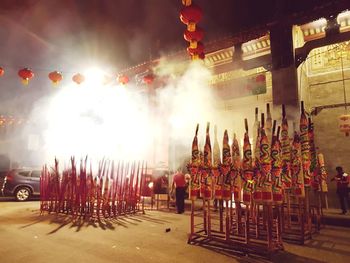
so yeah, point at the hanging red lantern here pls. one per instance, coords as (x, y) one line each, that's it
(123, 79)
(55, 77)
(344, 124)
(202, 55)
(25, 74)
(148, 79)
(190, 16)
(197, 50)
(196, 35)
(186, 2)
(2, 71)
(260, 78)
(78, 78)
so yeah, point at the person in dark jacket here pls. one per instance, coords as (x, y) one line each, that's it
(342, 180)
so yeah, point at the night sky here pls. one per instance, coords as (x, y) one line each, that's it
(120, 33)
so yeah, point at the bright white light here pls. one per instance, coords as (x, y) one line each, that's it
(98, 122)
(150, 185)
(94, 76)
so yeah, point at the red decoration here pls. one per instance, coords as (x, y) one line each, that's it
(344, 124)
(78, 78)
(196, 35)
(55, 77)
(191, 14)
(25, 74)
(186, 2)
(2, 71)
(123, 79)
(260, 78)
(202, 55)
(148, 79)
(198, 50)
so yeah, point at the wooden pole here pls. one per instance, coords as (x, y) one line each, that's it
(227, 221)
(192, 222)
(221, 214)
(246, 234)
(209, 218)
(205, 226)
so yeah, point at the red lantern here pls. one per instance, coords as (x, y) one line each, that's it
(148, 79)
(123, 79)
(190, 16)
(25, 74)
(2, 71)
(344, 124)
(186, 2)
(55, 77)
(196, 35)
(198, 50)
(260, 78)
(78, 78)
(202, 55)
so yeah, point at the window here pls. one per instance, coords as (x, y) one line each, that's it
(24, 173)
(36, 174)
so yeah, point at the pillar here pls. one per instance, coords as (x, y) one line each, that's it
(284, 73)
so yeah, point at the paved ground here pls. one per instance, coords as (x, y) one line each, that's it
(26, 236)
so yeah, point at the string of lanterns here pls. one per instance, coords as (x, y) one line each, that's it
(27, 74)
(190, 15)
(7, 121)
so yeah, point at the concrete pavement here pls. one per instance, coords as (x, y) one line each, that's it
(27, 236)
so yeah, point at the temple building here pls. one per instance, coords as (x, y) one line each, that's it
(300, 55)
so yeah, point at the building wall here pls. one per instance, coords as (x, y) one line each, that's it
(324, 86)
(320, 82)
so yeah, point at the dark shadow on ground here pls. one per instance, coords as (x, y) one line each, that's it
(79, 222)
(328, 245)
(284, 256)
(278, 257)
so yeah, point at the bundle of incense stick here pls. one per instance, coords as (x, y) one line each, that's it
(113, 191)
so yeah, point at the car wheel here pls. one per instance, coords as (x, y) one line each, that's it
(22, 194)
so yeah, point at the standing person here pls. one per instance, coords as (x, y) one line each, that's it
(342, 180)
(179, 183)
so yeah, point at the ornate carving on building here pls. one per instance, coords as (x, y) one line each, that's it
(327, 59)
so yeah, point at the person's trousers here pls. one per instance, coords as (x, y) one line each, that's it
(343, 200)
(180, 199)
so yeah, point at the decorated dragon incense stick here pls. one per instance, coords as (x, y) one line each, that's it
(236, 174)
(296, 168)
(265, 165)
(276, 162)
(217, 176)
(257, 194)
(225, 168)
(323, 173)
(314, 169)
(193, 168)
(268, 123)
(247, 167)
(205, 170)
(255, 129)
(286, 152)
(305, 147)
(236, 170)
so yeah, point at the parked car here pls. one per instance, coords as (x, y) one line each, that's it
(22, 183)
